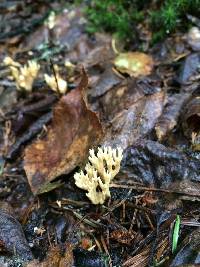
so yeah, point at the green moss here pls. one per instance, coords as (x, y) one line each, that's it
(114, 16)
(121, 16)
(171, 15)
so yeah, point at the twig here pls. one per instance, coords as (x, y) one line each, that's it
(144, 188)
(54, 73)
(106, 250)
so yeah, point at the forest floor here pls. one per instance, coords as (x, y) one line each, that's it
(84, 92)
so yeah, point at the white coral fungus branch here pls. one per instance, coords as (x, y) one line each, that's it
(100, 170)
(57, 84)
(51, 81)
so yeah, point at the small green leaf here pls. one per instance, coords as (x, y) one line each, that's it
(2, 163)
(176, 233)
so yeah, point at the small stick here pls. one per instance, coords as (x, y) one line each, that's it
(54, 73)
(154, 189)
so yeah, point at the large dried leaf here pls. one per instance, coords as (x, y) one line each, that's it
(74, 130)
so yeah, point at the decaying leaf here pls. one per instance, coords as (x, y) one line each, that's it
(55, 258)
(130, 110)
(189, 68)
(85, 258)
(134, 63)
(107, 80)
(154, 164)
(74, 130)
(123, 236)
(169, 119)
(188, 254)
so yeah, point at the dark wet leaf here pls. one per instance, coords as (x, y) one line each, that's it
(8, 97)
(189, 253)
(136, 121)
(107, 80)
(154, 164)
(74, 130)
(28, 112)
(69, 27)
(32, 131)
(191, 117)
(12, 236)
(62, 227)
(14, 27)
(83, 258)
(189, 68)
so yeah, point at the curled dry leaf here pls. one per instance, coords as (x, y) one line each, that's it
(134, 63)
(74, 130)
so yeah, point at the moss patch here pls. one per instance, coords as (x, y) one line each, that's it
(120, 17)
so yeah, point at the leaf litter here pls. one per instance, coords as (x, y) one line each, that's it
(148, 106)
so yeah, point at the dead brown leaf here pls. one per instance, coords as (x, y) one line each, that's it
(74, 130)
(123, 236)
(132, 113)
(171, 113)
(55, 258)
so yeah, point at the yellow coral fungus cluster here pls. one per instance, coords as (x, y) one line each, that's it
(100, 170)
(24, 75)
